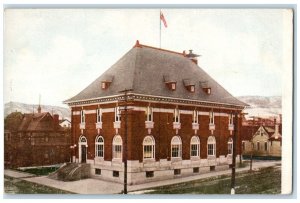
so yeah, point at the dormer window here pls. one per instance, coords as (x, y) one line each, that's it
(192, 88)
(170, 83)
(149, 114)
(195, 116)
(173, 86)
(107, 80)
(205, 87)
(176, 115)
(189, 85)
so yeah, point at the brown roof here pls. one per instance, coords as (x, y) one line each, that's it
(247, 132)
(32, 122)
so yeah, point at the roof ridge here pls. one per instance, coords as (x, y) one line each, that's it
(166, 50)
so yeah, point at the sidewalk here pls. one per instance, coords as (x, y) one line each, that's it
(96, 186)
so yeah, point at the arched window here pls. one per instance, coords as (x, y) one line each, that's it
(149, 147)
(230, 146)
(195, 146)
(211, 146)
(99, 144)
(176, 147)
(82, 139)
(117, 147)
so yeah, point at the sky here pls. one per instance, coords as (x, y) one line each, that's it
(56, 53)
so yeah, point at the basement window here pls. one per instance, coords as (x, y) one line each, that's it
(177, 171)
(116, 174)
(149, 174)
(196, 170)
(97, 171)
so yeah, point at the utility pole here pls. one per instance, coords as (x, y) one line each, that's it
(126, 135)
(234, 154)
(252, 144)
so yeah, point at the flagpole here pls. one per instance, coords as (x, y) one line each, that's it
(159, 28)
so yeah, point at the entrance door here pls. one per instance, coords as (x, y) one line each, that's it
(83, 154)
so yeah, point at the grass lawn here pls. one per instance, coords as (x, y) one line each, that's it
(264, 181)
(41, 171)
(17, 186)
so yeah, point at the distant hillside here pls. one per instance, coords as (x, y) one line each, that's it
(28, 108)
(262, 106)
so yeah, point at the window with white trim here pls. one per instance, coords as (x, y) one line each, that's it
(230, 146)
(117, 147)
(211, 117)
(82, 116)
(149, 114)
(195, 116)
(99, 115)
(211, 146)
(195, 146)
(230, 117)
(176, 146)
(99, 147)
(117, 114)
(148, 147)
(176, 115)
(257, 146)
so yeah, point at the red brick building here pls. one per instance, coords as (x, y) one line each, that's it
(179, 120)
(35, 139)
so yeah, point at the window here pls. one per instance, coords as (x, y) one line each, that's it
(257, 146)
(148, 145)
(103, 85)
(82, 116)
(196, 170)
(97, 171)
(99, 115)
(83, 139)
(149, 114)
(266, 146)
(211, 117)
(230, 146)
(117, 114)
(99, 146)
(177, 171)
(243, 145)
(211, 146)
(230, 119)
(195, 146)
(176, 147)
(117, 147)
(192, 88)
(173, 86)
(176, 115)
(149, 174)
(116, 174)
(195, 116)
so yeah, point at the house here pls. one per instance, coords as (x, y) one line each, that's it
(178, 120)
(262, 141)
(34, 139)
(65, 123)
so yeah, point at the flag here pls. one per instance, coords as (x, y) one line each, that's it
(162, 18)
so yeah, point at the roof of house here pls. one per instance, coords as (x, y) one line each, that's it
(145, 69)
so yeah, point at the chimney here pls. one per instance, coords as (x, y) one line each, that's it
(56, 119)
(192, 56)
